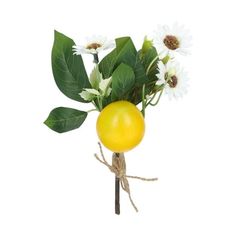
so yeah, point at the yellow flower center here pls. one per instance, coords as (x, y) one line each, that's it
(171, 42)
(93, 46)
(173, 81)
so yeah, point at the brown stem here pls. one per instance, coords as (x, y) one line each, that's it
(117, 189)
(117, 195)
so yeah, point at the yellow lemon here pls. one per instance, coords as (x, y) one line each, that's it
(120, 126)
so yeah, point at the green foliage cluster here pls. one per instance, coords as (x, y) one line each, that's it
(133, 76)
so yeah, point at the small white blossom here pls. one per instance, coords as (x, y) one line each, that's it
(86, 95)
(95, 77)
(162, 72)
(104, 86)
(100, 86)
(93, 45)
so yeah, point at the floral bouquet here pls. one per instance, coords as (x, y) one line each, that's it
(124, 78)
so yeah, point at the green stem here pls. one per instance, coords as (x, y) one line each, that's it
(143, 101)
(154, 95)
(150, 65)
(99, 103)
(151, 99)
(92, 110)
(97, 108)
(95, 58)
(158, 99)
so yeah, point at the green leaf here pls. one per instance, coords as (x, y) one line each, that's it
(140, 73)
(147, 44)
(125, 51)
(107, 64)
(68, 69)
(142, 63)
(63, 119)
(147, 59)
(148, 79)
(123, 80)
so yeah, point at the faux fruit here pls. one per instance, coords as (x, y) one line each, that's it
(120, 126)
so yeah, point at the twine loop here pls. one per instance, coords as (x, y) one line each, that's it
(118, 167)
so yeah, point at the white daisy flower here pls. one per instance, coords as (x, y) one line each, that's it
(94, 45)
(162, 73)
(171, 40)
(100, 86)
(176, 80)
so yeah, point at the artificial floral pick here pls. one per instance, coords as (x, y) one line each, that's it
(119, 82)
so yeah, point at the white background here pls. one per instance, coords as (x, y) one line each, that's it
(50, 184)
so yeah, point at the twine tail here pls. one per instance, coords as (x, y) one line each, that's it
(126, 188)
(118, 167)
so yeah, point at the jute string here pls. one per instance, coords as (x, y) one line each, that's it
(118, 167)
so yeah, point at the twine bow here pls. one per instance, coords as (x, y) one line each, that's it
(118, 167)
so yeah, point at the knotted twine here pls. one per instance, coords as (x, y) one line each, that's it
(118, 167)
